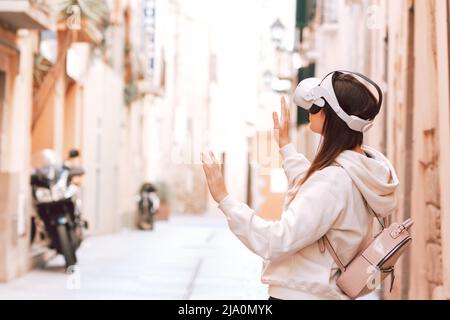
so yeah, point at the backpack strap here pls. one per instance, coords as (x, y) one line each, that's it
(324, 242)
(384, 222)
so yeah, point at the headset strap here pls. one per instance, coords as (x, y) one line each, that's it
(376, 86)
(354, 122)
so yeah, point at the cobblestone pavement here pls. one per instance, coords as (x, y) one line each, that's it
(188, 257)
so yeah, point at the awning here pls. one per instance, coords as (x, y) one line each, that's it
(19, 14)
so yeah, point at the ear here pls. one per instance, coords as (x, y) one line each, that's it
(322, 114)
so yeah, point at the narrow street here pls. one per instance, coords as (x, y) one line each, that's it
(186, 258)
(110, 107)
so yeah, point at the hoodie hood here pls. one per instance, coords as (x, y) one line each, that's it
(374, 176)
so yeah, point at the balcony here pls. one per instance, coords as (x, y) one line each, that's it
(22, 14)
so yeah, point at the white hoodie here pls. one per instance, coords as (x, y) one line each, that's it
(331, 203)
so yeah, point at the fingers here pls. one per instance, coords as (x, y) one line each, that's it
(213, 158)
(285, 116)
(209, 163)
(211, 168)
(204, 164)
(276, 122)
(285, 111)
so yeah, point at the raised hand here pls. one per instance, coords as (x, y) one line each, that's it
(281, 130)
(214, 177)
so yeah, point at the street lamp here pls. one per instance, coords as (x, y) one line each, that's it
(278, 83)
(277, 31)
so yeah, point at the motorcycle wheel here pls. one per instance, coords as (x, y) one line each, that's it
(146, 222)
(65, 245)
(145, 225)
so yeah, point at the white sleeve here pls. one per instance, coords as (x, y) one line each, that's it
(309, 217)
(295, 164)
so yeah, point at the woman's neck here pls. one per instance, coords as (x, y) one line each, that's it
(358, 149)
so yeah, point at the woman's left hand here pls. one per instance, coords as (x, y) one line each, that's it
(214, 177)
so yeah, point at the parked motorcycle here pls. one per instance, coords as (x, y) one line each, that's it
(148, 205)
(57, 202)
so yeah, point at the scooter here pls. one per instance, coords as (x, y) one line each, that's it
(57, 203)
(148, 205)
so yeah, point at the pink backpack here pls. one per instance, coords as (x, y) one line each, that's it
(372, 265)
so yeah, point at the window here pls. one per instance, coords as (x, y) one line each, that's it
(306, 10)
(330, 11)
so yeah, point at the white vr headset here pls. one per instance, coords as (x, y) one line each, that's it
(315, 91)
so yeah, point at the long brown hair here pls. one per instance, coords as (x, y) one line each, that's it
(356, 99)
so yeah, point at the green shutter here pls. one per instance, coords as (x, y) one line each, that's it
(304, 14)
(306, 10)
(302, 20)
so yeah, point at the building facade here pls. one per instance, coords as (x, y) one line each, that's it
(19, 26)
(403, 45)
(64, 88)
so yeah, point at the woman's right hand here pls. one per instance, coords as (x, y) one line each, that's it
(281, 130)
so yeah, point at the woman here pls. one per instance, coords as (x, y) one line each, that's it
(326, 197)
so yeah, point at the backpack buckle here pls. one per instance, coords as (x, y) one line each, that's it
(396, 233)
(392, 280)
(391, 271)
